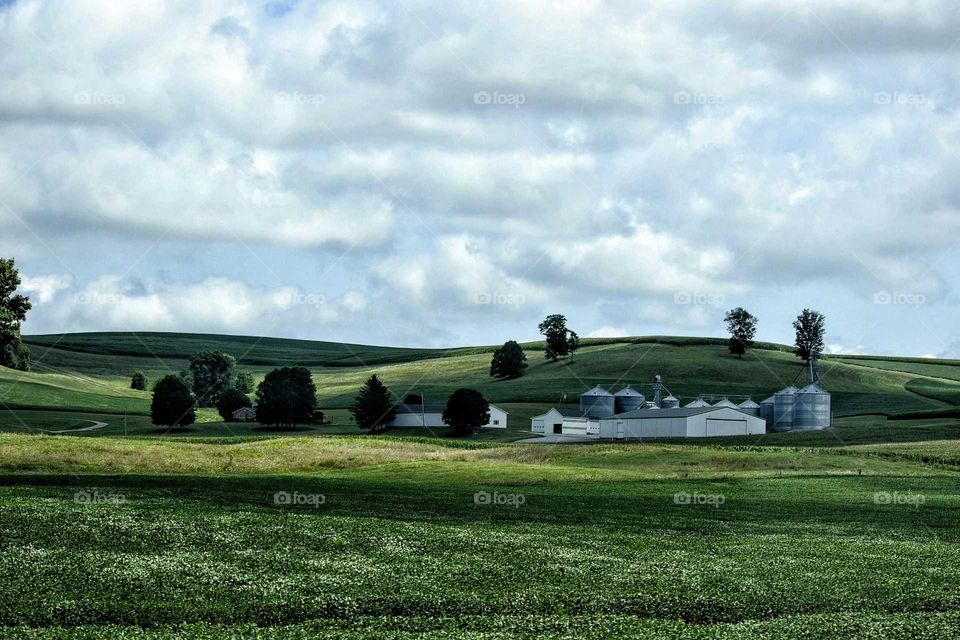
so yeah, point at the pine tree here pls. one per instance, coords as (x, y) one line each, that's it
(373, 407)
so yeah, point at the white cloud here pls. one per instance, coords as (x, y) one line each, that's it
(45, 288)
(743, 148)
(608, 332)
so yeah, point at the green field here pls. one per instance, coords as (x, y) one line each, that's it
(130, 531)
(167, 538)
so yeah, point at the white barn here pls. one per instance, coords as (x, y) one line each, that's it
(431, 415)
(565, 421)
(693, 422)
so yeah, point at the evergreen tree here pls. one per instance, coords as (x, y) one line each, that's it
(373, 407)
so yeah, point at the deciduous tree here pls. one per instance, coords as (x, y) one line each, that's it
(509, 361)
(467, 410)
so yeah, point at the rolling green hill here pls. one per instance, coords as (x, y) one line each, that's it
(89, 372)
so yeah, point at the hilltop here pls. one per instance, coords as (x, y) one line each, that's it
(89, 373)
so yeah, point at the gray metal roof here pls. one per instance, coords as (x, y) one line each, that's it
(748, 404)
(725, 403)
(697, 404)
(597, 391)
(813, 388)
(570, 412)
(628, 391)
(679, 412)
(790, 389)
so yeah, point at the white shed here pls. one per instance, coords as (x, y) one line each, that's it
(565, 421)
(698, 422)
(431, 416)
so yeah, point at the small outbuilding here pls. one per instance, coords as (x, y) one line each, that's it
(245, 414)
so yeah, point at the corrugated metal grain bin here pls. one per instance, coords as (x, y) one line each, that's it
(749, 406)
(812, 410)
(628, 399)
(597, 403)
(784, 407)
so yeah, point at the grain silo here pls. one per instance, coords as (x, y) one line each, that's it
(784, 406)
(812, 408)
(628, 399)
(726, 403)
(749, 406)
(699, 403)
(766, 410)
(670, 403)
(597, 403)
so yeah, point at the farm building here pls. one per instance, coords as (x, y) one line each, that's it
(698, 422)
(627, 414)
(566, 421)
(431, 415)
(245, 414)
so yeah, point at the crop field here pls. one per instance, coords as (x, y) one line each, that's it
(114, 528)
(359, 537)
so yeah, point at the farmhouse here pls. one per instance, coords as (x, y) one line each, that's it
(431, 415)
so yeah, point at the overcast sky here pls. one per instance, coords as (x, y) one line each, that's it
(448, 173)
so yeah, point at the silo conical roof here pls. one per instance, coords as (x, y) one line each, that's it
(597, 391)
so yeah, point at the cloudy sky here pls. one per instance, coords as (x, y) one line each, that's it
(448, 173)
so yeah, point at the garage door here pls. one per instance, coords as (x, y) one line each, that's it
(718, 427)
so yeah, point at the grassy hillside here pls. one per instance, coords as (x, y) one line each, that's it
(90, 373)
